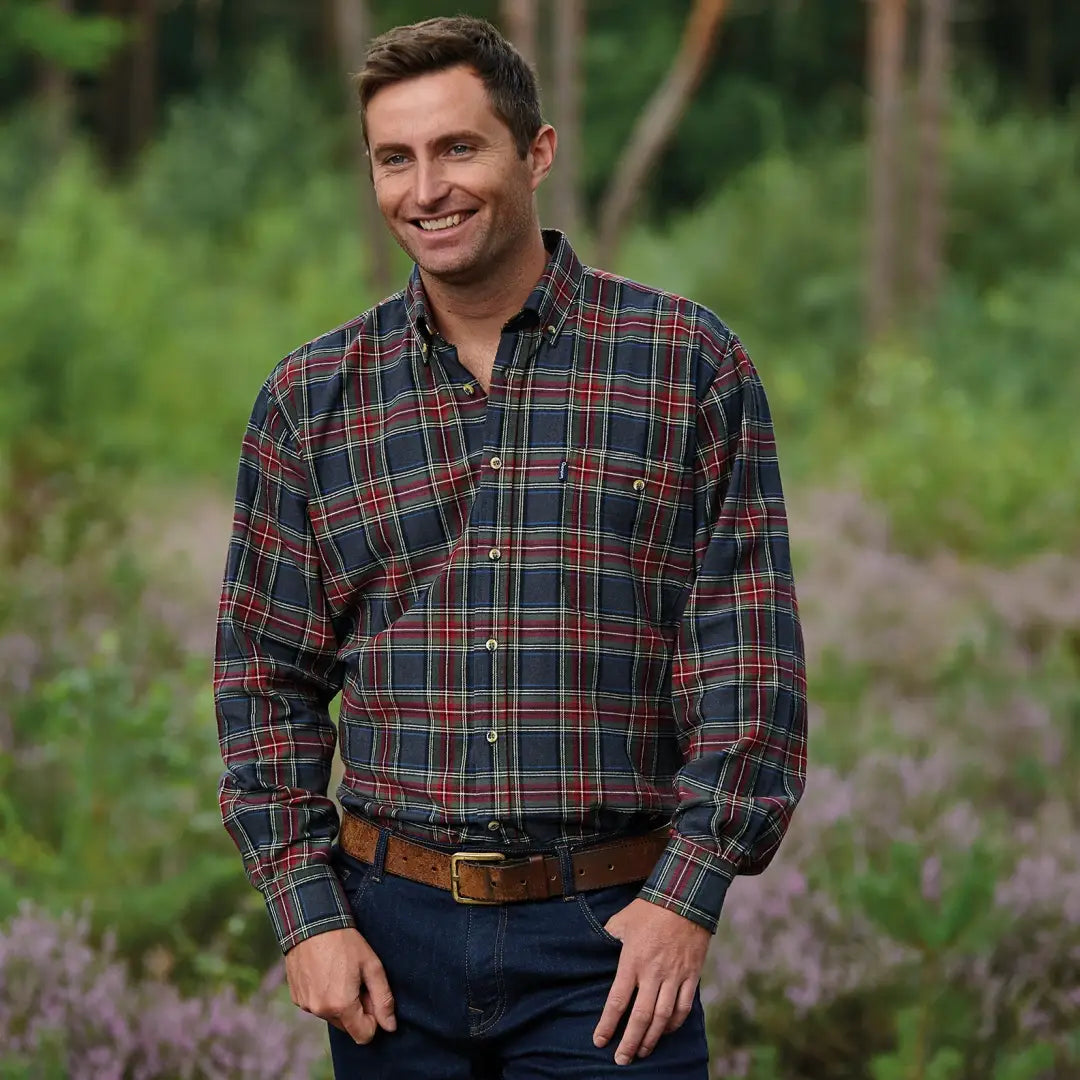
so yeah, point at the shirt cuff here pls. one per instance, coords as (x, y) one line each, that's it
(307, 902)
(690, 880)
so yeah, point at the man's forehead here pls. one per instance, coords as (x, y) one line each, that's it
(455, 96)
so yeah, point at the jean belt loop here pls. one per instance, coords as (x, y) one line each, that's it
(379, 861)
(566, 865)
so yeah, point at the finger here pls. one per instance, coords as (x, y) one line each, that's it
(379, 993)
(360, 1026)
(662, 1013)
(618, 999)
(641, 1016)
(683, 1005)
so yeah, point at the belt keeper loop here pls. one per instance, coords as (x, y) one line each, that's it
(566, 865)
(378, 862)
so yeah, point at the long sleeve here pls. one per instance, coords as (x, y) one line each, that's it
(275, 673)
(738, 685)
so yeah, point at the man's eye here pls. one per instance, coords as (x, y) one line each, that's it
(460, 148)
(393, 159)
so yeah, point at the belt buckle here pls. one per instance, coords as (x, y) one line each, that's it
(470, 856)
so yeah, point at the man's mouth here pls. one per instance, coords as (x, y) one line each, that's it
(450, 221)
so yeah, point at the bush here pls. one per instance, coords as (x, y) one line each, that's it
(70, 1009)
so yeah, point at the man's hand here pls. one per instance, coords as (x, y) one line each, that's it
(662, 957)
(337, 976)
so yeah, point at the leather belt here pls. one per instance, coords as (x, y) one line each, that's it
(483, 877)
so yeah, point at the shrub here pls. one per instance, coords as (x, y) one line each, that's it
(70, 1009)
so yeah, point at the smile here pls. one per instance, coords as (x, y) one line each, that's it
(443, 223)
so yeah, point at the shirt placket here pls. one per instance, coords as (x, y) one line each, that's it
(497, 550)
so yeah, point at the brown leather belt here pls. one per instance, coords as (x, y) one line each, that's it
(482, 877)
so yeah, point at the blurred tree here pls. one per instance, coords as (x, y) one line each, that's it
(521, 23)
(62, 43)
(129, 92)
(207, 35)
(885, 62)
(352, 24)
(933, 96)
(1040, 52)
(56, 92)
(656, 125)
(566, 113)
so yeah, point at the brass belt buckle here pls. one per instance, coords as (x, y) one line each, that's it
(470, 856)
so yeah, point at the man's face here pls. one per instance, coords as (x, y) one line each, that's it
(450, 183)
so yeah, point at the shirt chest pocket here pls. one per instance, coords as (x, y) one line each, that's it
(626, 524)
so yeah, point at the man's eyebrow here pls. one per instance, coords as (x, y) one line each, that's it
(465, 135)
(388, 148)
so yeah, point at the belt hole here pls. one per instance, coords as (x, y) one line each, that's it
(581, 871)
(611, 866)
(522, 882)
(554, 876)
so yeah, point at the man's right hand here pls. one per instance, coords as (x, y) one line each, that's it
(337, 976)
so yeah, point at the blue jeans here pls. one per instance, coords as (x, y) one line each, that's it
(500, 992)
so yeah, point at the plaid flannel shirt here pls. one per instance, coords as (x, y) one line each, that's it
(558, 611)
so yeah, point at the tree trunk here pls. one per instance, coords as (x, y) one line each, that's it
(1040, 52)
(143, 85)
(207, 35)
(657, 124)
(521, 22)
(56, 95)
(566, 98)
(352, 25)
(886, 62)
(933, 96)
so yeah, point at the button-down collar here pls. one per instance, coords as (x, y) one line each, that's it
(547, 306)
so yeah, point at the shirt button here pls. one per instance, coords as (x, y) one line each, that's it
(639, 484)
(496, 462)
(493, 826)
(492, 644)
(492, 736)
(469, 388)
(494, 554)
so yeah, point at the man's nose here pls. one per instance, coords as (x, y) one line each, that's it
(431, 184)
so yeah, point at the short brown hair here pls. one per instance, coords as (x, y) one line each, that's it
(438, 44)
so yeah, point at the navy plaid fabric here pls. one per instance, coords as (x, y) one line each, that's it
(557, 611)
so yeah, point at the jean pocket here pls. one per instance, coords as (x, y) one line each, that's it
(599, 905)
(356, 878)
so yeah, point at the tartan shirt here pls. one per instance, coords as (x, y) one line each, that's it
(559, 611)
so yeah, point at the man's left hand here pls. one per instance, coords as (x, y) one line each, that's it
(662, 956)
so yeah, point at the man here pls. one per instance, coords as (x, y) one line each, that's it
(526, 518)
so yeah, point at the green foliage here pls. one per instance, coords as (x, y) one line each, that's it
(961, 919)
(911, 1062)
(224, 157)
(130, 771)
(80, 43)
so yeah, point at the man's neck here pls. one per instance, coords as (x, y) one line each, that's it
(477, 311)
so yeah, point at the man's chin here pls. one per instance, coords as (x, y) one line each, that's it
(454, 270)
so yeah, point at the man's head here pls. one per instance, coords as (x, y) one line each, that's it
(457, 144)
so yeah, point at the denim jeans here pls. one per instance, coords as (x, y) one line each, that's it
(511, 991)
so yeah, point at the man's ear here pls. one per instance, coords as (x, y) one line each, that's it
(541, 154)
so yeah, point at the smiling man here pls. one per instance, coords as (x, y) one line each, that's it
(526, 518)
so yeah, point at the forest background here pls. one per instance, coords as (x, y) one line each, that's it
(880, 197)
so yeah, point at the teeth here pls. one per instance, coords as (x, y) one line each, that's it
(442, 223)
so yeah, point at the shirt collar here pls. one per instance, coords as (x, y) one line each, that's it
(547, 306)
